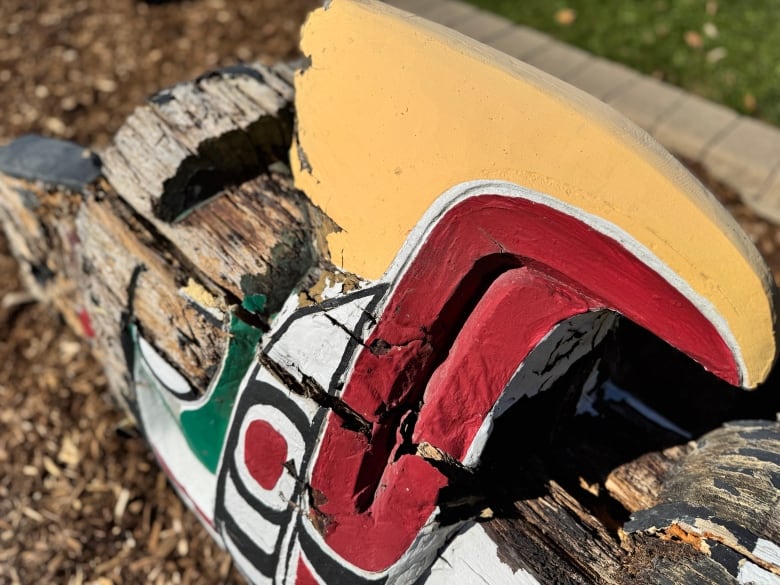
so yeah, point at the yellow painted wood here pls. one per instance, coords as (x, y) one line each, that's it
(395, 110)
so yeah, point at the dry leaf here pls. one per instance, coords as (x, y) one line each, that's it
(749, 101)
(716, 54)
(693, 39)
(710, 30)
(565, 16)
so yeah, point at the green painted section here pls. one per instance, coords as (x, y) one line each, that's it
(254, 303)
(206, 428)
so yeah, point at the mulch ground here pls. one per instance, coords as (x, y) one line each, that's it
(81, 499)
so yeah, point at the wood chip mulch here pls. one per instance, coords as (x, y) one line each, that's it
(81, 499)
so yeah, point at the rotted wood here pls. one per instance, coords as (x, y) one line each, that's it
(723, 500)
(194, 198)
(202, 152)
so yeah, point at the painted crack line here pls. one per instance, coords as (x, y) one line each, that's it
(309, 388)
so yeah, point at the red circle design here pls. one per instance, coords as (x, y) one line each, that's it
(265, 453)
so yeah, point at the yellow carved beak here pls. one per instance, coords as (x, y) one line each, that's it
(393, 111)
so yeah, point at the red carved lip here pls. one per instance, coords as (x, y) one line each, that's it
(495, 275)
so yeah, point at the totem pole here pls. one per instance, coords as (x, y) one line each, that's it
(316, 359)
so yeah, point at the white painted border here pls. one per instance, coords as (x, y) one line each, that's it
(164, 371)
(170, 446)
(472, 559)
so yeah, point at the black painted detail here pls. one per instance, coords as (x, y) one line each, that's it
(721, 484)
(761, 455)
(41, 273)
(161, 98)
(240, 69)
(664, 515)
(29, 199)
(761, 434)
(744, 536)
(726, 557)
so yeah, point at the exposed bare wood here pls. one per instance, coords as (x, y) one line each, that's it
(240, 231)
(636, 484)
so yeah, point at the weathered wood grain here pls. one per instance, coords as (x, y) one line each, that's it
(723, 499)
(218, 130)
(197, 213)
(199, 154)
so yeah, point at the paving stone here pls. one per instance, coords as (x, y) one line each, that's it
(450, 12)
(602, 78)
(745, 155)
(692, 125)
(53, 161)
(646, 101)
(521, 41)
(420, 7)
(483, 26)
(767, 203)
(559, 60)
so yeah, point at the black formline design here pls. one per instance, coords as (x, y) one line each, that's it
(329, 566)
(255, 393)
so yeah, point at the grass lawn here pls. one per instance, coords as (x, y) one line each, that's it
(725, 50)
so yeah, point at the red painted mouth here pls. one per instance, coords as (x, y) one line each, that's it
(495, 275)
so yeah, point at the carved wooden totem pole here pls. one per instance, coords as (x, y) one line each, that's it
(319, 361)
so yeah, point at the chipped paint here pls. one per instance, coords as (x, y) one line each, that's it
(197, 294)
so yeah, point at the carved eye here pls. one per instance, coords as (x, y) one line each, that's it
(269, 455)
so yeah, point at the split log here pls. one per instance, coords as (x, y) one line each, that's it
(201, 274)
(216, 138)
(82, 248)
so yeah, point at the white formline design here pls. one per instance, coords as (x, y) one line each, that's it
(472, 559)
(169, 443)
(165, 372)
